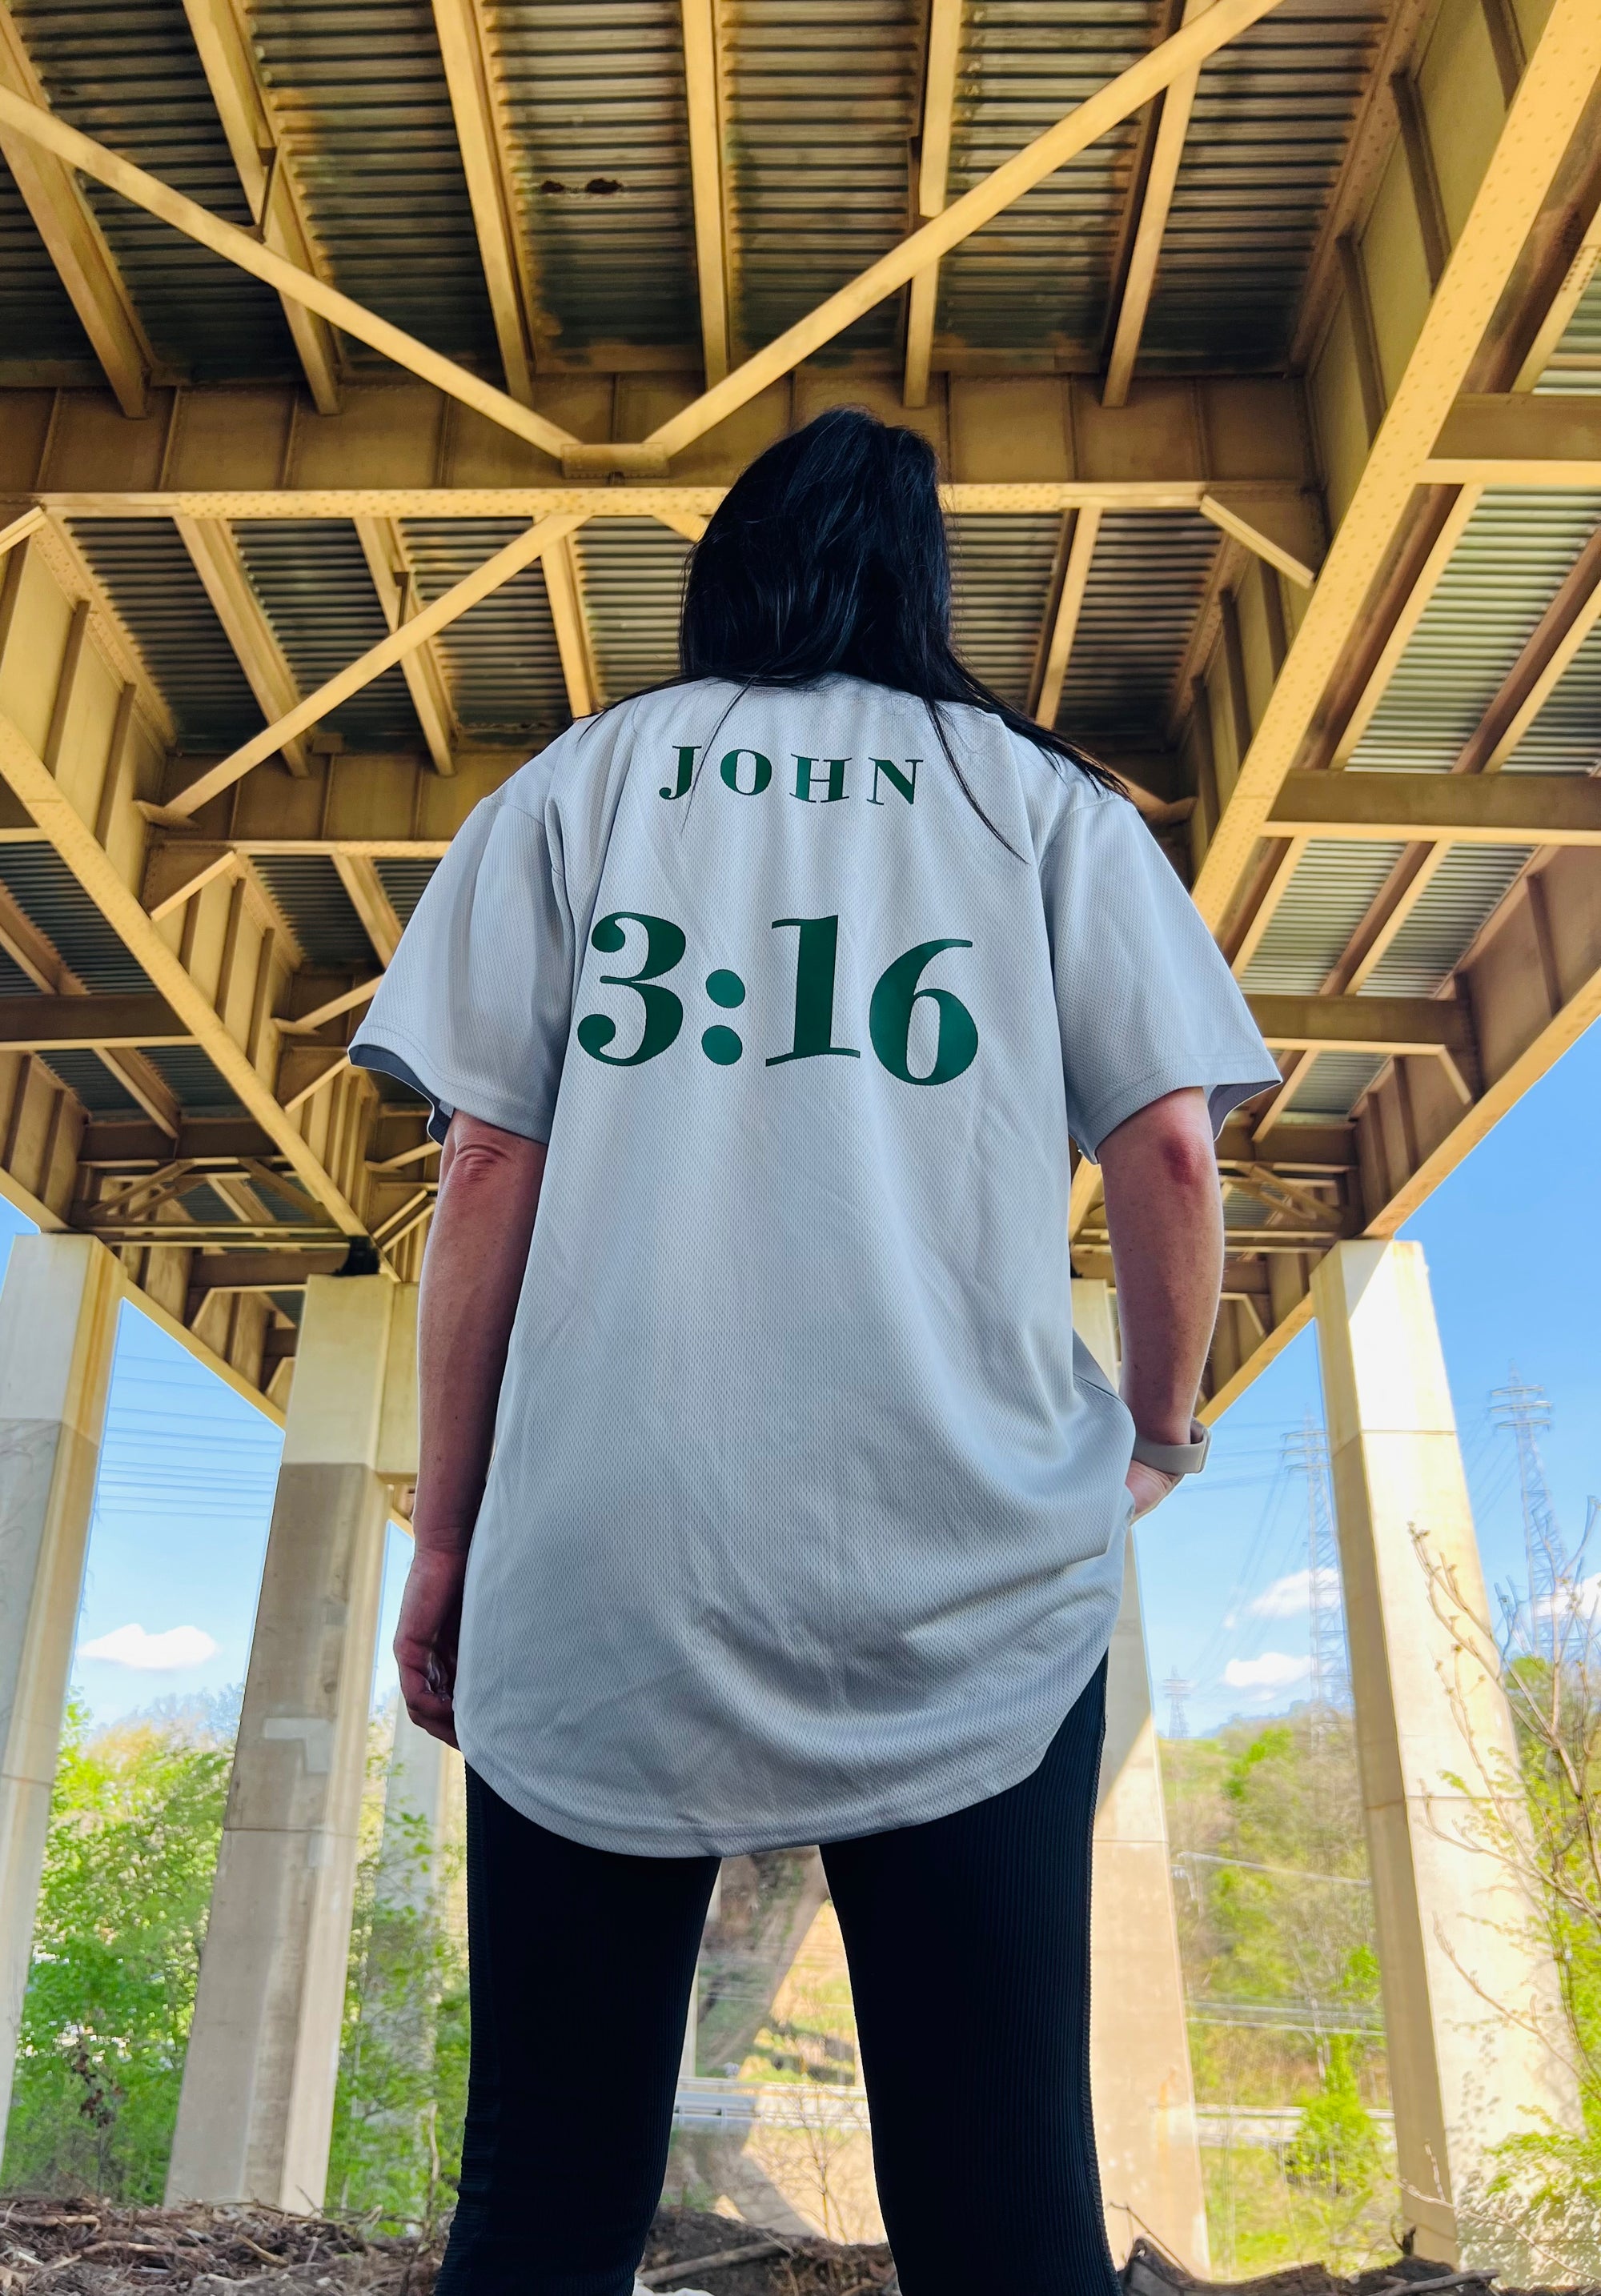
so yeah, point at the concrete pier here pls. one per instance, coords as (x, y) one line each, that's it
(1469, 1991)
(258, 2083)
(58, 1331)
(1144, 2100)
(424, 1821)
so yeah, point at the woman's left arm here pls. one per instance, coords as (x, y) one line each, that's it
(472, 1272)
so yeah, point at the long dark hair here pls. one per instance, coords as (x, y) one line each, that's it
(828, 553)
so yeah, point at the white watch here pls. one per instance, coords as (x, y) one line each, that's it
(1176, 1458)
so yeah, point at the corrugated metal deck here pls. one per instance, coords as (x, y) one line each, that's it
(594, 99)
(306, 887)
(1271, 121)
(822, 107)
(1330, 893)
(1002, 568)
(505, 671)
(1038, 278)
(315, 589)
(1517, 551)
(150, 580)
(86, 1075)
(44, 888)
(1575, 364)
(126, 71)
(362, 107)
(633, 575)
(38, 321)
(1147, 582)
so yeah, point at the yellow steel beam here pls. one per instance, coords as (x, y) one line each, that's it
(358, 874)
(1546, 109)
(19, 529)
(1243, 440)
(469, 73)
(1540, 669)
(1156, 199)
(46, 1024)
(44, 130)
(1516, 439)
(214, 553)
(703, 97)
(684, 508)
(1231, 518)
(76, 244)
(1367, 154)
(74, 839)
(1488, 809)
(1064, 623)
(1362, 1024)
(383, 546)
(1081, 126)
(564, 589)
(221, 33)
(332, 1008)
(934, 179)
(423, 626)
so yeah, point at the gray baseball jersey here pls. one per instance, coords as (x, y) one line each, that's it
(806, 1513)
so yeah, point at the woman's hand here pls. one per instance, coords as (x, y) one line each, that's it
(1148, 1487)
(425, 1640)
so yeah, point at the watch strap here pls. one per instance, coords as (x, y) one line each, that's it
(1176, 1458)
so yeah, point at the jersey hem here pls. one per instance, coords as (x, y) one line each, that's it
(973, 1784)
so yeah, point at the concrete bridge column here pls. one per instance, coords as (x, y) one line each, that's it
(1465, 1977)
(58, 1331)
(424, 1818)
(1145, 2099)
(256, 2103)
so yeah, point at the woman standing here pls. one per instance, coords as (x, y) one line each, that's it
(766, 1496)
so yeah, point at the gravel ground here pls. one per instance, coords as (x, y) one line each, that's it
(91, 2248)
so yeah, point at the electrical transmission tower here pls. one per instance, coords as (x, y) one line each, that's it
(1176, 1690)
(1525, 1411)
(1330, 1673)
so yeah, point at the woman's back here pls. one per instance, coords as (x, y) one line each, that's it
(766, 1496)
(807, 1021)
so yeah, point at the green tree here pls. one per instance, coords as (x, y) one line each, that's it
(1275, 1935)
(1536, 1821)
(135, 1819)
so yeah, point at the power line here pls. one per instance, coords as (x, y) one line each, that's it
(1176, 1690)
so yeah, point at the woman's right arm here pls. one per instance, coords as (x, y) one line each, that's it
(1164, 1213)
(483, 1222)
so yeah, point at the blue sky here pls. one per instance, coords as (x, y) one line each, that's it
(1514, 1244)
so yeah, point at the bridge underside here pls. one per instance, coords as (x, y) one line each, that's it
(366, 376)
(353, 449)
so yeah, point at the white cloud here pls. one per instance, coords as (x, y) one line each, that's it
(163, 1653)
(1274, 1670)
(1288, 1598)
(1573, 1613)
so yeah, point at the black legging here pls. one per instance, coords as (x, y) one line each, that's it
(582, 1963)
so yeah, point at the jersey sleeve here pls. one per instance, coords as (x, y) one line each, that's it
(1147, 1004)
(473, 1011)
